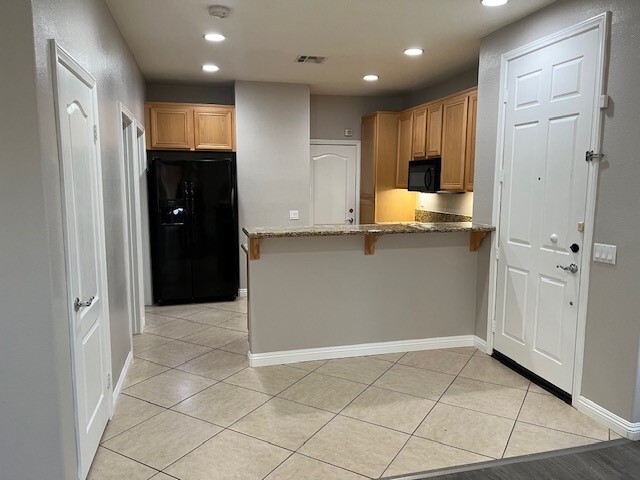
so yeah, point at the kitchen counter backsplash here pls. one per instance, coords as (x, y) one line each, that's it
(429, 216)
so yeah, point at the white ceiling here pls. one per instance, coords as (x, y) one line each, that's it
(358, 37)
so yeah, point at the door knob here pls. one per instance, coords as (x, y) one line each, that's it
(77, 304)
(573, 268)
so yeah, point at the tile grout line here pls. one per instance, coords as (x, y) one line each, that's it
(412, 435)
(514, 424)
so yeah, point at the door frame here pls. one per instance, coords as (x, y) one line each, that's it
(60, 56)
(601, 23)
(144, 212)
(354, 143)
(129, 138)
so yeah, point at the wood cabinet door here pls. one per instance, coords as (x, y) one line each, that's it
(171, 127)
(214, 128)
(454, 142)
(433, 142)
(405, 138)
(419, 133)
(471, 143)
(368, 160)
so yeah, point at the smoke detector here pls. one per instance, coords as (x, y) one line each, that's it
(219, 11)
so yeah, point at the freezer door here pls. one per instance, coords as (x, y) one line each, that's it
(214, 239)
(172, 278)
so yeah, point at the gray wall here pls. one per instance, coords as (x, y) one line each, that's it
(96, 43)
(272, 125)
(170, 92)
(331, 114)
(324, 291)
(37, 435)
(610, 376)
(456, 83)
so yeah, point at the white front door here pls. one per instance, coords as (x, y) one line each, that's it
(85, 253)
(333, 184)
(548, 127)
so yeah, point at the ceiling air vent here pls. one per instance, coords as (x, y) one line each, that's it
(310, 59)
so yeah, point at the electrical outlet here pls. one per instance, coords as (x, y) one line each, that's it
(294, 215)
(604, 253)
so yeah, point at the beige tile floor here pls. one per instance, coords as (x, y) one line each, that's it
(192, 409)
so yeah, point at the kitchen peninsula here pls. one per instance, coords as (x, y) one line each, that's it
(319, 292)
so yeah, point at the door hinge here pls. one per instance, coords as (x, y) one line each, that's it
(109, 381)
(497, 253)
(501, 176)
(589, 156)
(95, 134)
(493, 325)
(505, 99)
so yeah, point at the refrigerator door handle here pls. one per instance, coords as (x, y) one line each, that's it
(192, 207)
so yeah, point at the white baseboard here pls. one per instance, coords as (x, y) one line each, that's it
(117, 389)
(605, 417)
(326, 353)
(242, 293)
(480, 344)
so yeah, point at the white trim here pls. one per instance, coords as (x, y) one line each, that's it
(60, 56)
(355, 143)
(611, 420)
(144, 213)
(602, 23)
(359, 350)
(242, 293)
(122, 379)
(480, 344)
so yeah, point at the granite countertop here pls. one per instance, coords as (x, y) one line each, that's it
(374, 229)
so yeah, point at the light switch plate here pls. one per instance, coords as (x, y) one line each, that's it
(294, 215)
(603, 253)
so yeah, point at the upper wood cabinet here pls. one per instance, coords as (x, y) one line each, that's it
(470, 155)
(434, 130)
(182, 126)
(454, 142)
(214, 128)
(171, 126)
(405, 141)
(419, 132)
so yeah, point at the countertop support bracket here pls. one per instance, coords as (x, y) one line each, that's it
(476, 239)
(369, 244)
(254, 248)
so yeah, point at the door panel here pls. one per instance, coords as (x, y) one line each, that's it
(434, 130)
(170, 213)
(171, 127)
(85, 253)
(548, 121)
(454, 142)
(405, 136)
(419, 133)
(333, 184)
(214, 128)
(213, 223)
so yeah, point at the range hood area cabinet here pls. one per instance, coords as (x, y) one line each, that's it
(190, 126)
(444, 127)
(380, 199)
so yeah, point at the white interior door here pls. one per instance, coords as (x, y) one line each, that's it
(85, 252)
(548, 128)
(334, 184)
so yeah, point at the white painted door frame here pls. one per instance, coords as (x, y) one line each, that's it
(602, 24)
(354, 143)
(144, 213)
(60, 56)
(130, 161)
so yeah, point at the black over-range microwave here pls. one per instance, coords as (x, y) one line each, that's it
(424, 175)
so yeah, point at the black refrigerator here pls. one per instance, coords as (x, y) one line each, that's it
(193, 220)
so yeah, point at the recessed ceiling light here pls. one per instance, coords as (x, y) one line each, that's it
(214, 37)
(493, 3)
(370, 78)
(210, 68)
(413, 52)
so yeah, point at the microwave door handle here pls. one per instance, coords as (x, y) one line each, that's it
(427, 178)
